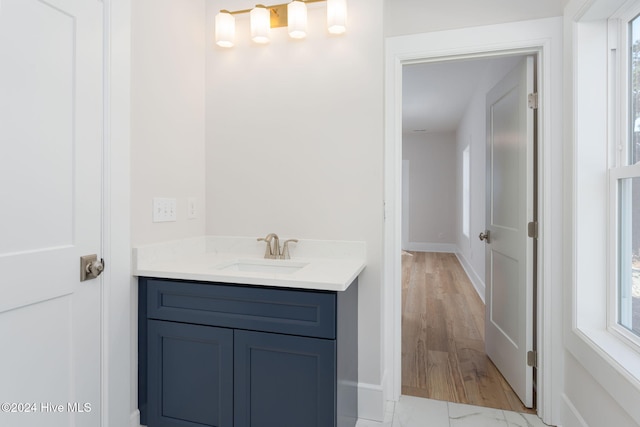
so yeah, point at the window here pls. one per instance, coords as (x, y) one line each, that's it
(603, 171)
(628, 292)
(624, 316)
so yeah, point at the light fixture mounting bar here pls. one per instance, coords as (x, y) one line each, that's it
(278, 12)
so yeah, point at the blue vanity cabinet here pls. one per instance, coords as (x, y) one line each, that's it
(216, 354)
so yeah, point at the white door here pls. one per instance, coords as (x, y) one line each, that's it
(509, 250)
(51, 107)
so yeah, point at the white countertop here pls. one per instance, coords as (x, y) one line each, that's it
(315, 264)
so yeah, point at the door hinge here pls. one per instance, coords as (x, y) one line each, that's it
(532, 358)
(533, 100)
(532, 229)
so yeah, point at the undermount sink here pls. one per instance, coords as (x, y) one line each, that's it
(273, 266)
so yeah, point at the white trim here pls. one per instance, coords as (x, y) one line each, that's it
(371, 402)
(476, 280)
(543, 36)
(571, 415)
(134, 420)
(116, 352)
(430, 247)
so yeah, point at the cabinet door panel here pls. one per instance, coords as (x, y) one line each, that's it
(190, 375)
(284, 381)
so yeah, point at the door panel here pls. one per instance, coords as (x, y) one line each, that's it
(40, 109)
(190, 375)
(505, 158)
(509, 252)
(283, 374)
(51, 108)
(504, 297)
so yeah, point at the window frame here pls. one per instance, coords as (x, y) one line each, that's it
(588, 114)
(619, 38)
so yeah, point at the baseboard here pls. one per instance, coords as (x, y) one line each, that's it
(476, 281)
(371, 402)
(570, 415)
(429, 247)
(134, 420)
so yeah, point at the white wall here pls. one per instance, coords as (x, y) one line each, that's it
(472, 132)
(167, 113)
(420, 16)
(167, 127)
(432, 190)
(295, 145)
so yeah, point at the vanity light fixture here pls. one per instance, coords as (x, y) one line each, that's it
(292, 15)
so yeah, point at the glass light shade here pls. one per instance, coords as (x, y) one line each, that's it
(225, 29)
(260, 24)
(297, 19)
(337, 16)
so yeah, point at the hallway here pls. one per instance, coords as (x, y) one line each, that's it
(443, 354)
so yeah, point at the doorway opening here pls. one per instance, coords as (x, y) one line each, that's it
(443, 211)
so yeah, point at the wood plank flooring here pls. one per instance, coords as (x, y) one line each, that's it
(443, 336)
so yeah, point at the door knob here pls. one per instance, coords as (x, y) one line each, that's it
(90, 267)
(484, 236)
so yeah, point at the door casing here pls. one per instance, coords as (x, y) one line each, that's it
(542, 38)
(119, 389)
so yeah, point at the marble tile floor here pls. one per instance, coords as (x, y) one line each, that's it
(412, 411)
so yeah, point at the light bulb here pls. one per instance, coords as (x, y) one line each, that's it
(225, 29)
(337, 16)
(260, 24)
(297, 19)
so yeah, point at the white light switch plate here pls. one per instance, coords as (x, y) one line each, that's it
(192, 211)
(164, 209)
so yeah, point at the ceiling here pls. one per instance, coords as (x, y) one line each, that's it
(435, 95)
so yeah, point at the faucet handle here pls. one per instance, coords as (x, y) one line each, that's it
(285, 248)
(268, 253)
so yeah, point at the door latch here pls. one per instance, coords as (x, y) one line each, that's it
(90, 267)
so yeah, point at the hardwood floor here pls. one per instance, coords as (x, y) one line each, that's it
(443, 336)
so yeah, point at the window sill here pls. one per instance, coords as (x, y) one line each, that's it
(619, 353)
(612, 363)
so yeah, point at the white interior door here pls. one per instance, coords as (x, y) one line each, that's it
(51, 108)
(509, 250)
